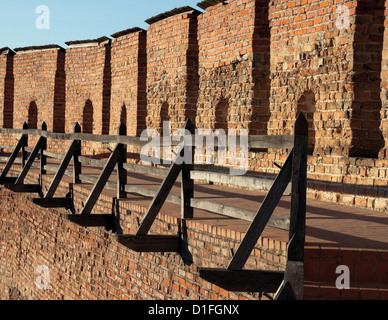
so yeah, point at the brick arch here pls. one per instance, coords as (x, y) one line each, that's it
(164, 115)
(307, 105)
(221, 115)
(123, 114)
(33, 115)
(87, 117)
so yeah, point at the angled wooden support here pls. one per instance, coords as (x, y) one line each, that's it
(156, 243)
(38, 146)
(85, 218)
(187, 185)
(20, 146)
(262, 217)
(288, 284)
(160, 196)
(49, 201)
(295, 250)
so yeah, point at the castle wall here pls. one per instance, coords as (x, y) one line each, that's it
(88, 86)
(172, 70)
(39, 88)
(129, 68)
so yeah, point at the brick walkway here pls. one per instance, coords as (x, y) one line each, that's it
(335, 234)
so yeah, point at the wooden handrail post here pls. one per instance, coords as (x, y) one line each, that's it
(122, 158)
(298, 191)
(187, 186)
(294, 274)
(24, 145)
(43, 158)
(77, 167)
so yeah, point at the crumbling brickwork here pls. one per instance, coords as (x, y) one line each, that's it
(172, 69)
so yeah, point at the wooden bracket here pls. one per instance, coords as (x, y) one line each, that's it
(66, 202)
(24, 188)
(244, 280)
(150, 243)
(20, 146)
(85, 218)
(288, 284)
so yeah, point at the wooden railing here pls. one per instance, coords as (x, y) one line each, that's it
(288, 284)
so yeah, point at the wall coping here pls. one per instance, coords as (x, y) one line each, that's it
(172, 13)
(88, 42)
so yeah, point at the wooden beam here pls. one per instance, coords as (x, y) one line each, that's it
(160, 197)
(24, 147)
(13, 156)
(262, 217)
(187, 184)
(54, 202)
(8, 180)
(61, 170)
(24, 188)
(30, 160)
(243, 280)
(275, 221)
(43, 147)
(77, 167)
(240, 181)
(99, 186)
(93, 220)
(298, 191)
(150, 243)
(121, 160)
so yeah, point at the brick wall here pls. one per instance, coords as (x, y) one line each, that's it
(39, 87)
(7, 88)
(91, 264)
(88, 85)
(172, 69)
(234, 75)
(129, 68)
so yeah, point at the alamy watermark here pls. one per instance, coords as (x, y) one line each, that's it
(42, 22)
(343, 281)
(211, 147)
(42, 282)
(343, 20)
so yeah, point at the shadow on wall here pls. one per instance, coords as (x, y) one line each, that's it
(306, 105)
(59, 116)
(123, 115)
(106, 92)
(33, 115)
(261, 76)
(366, 107)
(87, 117)
(9, 93)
